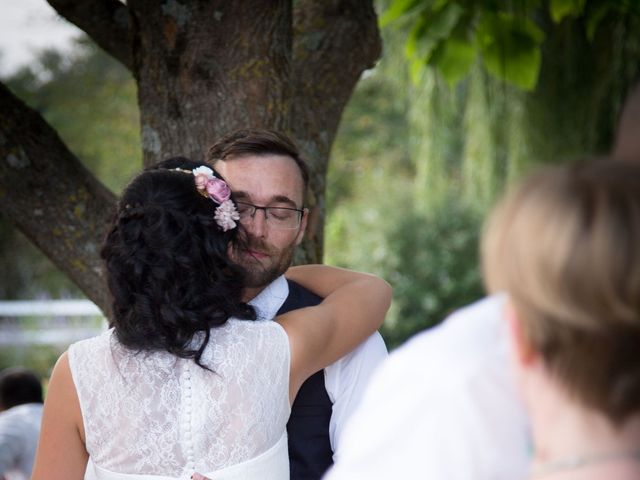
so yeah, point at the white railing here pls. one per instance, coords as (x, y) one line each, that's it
(28, 308)
(28, 322)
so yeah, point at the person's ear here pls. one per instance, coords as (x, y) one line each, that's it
(303, 225)
(524, 352)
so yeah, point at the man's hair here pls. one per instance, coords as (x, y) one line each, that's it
(167, 264)
(565, 246)
(257, 142)
(19, 385)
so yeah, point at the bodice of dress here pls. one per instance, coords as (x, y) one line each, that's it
(156, 414)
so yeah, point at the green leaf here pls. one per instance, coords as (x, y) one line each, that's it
(399, 7)
(417, 46)
(441, 23)
(594, 19)
(564, 8)
(510, 48)
(454, 58)
(430, 28)
(416, 68)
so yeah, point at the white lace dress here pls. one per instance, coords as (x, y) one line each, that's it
(154, 416)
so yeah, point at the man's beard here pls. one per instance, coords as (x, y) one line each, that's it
(259, 274)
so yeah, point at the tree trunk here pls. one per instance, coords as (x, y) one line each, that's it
(203, 68)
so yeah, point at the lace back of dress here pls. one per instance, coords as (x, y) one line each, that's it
(155, 414)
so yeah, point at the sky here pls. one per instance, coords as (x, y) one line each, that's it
(28, 26)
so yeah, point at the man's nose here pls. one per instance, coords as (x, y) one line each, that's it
(257, 224)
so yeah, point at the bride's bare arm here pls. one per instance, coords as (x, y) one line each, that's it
(61, 452)
(354, 307)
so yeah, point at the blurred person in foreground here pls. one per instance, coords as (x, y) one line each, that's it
(565, 247)
(20, 416)
(450, 404)
(185, 382)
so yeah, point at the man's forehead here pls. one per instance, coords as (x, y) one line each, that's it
(270, 161)
(264, 177)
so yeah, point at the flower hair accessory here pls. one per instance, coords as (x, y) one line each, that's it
(217, 190)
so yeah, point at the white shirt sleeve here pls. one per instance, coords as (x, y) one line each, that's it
(443, 406)
(346, 381)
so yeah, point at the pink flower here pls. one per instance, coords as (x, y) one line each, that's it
(201, 181)
(217, 189)
(226, 215)
(202, 176)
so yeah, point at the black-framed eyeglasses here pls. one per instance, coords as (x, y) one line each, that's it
(276, 217)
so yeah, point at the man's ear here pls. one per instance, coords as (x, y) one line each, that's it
(303, 225)
(525, 354)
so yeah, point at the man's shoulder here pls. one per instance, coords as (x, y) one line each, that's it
(297, 290)
(298, 297)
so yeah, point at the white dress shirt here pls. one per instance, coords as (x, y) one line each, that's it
(443, 406)
(19, 430)
(346, 379)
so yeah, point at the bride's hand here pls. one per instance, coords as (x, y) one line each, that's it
(197, 476)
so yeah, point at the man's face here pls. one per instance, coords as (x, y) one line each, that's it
(265, 181)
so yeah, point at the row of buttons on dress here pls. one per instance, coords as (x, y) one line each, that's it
(187, 433)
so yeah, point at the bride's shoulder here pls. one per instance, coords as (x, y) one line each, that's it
(256, 326)
(258, 332)
(103, 339)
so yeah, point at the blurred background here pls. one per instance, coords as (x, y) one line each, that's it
(430, 138)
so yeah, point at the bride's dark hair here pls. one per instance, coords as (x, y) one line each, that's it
(168, 271)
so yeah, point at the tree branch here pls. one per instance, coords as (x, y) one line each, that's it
(49, 195)
(105, 21)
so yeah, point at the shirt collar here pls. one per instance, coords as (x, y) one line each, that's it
(268, 301)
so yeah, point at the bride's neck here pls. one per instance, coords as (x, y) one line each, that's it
(575, 442)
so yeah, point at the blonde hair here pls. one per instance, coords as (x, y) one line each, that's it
(565, 246)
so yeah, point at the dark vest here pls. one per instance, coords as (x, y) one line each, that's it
(310, 453)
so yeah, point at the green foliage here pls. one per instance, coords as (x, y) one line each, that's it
(449, 35)
(453, 57)
(398, 8)
(38, 358)
(428, 255)
(416, 166)
(563, 8)
(401, 215)
(510, 48)
(433, 267)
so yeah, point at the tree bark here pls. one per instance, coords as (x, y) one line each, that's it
(203, 68)
(47, 193)
(334, 42)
